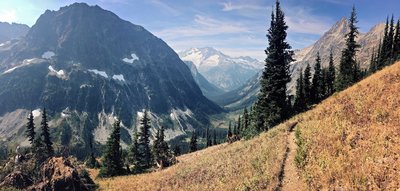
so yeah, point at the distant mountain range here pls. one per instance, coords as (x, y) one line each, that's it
(11, 31)
(333, 39)
(88, 67)
(225, 72)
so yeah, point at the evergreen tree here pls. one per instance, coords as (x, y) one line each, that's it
(239, 125)
(307, 85)
(48, 145)
(246, 120)
(331, 75)
(30, 129)
(300, 100)
(144, 151)
(390, 40)
(133, 155)
(112, 161)
(91, 161)
(230, 129)
(324, 90)
(161, 150)
(235, 131)
(193, 142)
(348, 64)
(271, 103)
(208, 138)
(396, 42)
(214, 141)
(317, 83)
(372, 62)
(177, 150)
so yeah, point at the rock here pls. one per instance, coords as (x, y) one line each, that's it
(58, 173)
(17, 180)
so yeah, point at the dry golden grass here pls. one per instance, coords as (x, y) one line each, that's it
(352, 140)
(243, 165)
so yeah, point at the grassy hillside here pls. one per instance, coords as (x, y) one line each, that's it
(352, 140)
(244, 165)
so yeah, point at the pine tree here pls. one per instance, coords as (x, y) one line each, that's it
(48, 145)
(193, 142)
(230, 129)
(239, 125)
(324, 90)
(396, 42)
(331, 75)
(208, 138)
(390, 40)
(133, 156)
(112, 161)
(235, 131)
(214, 141)
(347, 68)
(177, 150)
(144, 151)
(246, 120)
(316, 88)
(372, 62)
(91, 161)
(161, 150)
(300, 100)
(271, 103)
(307, 85)
(30, 129)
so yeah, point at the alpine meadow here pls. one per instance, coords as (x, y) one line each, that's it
(280, 95)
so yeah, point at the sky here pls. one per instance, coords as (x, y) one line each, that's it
(235, 27)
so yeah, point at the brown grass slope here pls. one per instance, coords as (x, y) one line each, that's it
(244, 165)
(352, 140)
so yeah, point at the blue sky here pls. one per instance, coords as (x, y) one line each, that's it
(236, 27)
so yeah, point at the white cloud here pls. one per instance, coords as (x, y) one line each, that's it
(8, 15)
(204, 26)
(301, 20)
(229, 6)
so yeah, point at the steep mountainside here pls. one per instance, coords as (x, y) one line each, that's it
(348, 142)
(333, 39)
(11, 31)
(223, 71)
(87, 67)
(209, 90)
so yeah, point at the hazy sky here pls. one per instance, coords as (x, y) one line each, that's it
(236, 27)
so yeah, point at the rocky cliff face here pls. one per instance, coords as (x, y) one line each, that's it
(87, 67)
(333, 39)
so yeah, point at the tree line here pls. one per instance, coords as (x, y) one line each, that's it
(273, 105)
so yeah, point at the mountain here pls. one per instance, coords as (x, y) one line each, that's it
(11, 31)
(333, 39)
(347, 142)
(209, 90)
(88, 67)
(225, 72)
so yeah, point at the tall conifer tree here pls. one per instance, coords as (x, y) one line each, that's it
(144, 151)
(272, 104)
(30, 129)
(396, 42)
(307, 85)
(112, 161)
(317, 82)
(193, 142)
(300, 100)
(348, 63)
(331, 75)
(47, 143)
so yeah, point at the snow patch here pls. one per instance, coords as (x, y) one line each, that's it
(85, 86)
(36, 113)
(60, 74)
(25, 62)
(132, 59)
(119, 77)
(48, 55)
(98, 72)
